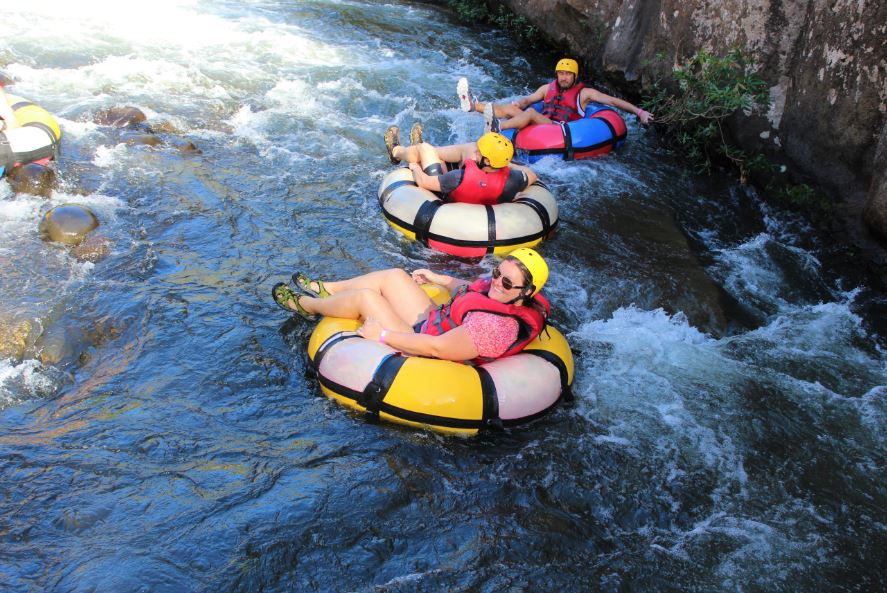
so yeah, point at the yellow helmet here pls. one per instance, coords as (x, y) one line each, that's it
(534, 264)
(496, 148)
(568, 65)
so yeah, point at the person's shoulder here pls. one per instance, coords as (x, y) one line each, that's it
(519, 176)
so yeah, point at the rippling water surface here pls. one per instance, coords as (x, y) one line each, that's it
(157, 432)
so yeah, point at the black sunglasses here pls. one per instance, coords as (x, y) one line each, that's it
(506, 282)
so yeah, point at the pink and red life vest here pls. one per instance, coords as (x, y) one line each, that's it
(473, 297)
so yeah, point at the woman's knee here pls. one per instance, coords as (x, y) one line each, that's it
(369, 299)
(399, 276)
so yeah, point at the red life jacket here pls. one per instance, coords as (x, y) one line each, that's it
(531, 319)
(478, 186)
(563, 106)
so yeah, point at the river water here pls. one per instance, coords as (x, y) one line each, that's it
(729, 423)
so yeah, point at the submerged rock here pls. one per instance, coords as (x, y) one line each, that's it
(74, 341)
(32, 178)
(140, 138)
(185, 146)
(120, 117)
(58, 344)
(68, 223)
(93, 248)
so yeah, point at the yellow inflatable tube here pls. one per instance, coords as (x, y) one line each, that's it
(440, 395)
(36, 138)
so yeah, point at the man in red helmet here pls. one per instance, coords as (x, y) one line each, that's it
(564, 99)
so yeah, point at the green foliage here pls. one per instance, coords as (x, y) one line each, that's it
(804, 198)
(709, 90)
(477, 12)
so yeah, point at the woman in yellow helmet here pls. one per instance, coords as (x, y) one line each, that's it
(480, 172)
(564, 99)
(489, 318)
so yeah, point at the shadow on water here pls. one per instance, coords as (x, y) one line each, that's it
(157, 427)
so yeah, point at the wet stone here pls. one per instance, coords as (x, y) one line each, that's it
(58, 344)
(120, 117)
(186, 147)
(68, 223)
(141, 139)
(14, 337)
(93, 248)
(32, 178)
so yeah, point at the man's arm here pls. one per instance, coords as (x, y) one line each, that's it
(589, 94)
(525, 102)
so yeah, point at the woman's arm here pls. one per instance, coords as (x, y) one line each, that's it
(425, 276)
(455, 344)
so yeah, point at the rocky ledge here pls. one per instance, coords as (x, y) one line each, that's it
(826, 63)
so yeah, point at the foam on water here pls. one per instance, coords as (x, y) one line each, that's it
(672, 398)
(660, 390)
(26, 380)
(173, 58)
(769, 274)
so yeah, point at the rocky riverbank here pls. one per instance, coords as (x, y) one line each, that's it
(826, 64)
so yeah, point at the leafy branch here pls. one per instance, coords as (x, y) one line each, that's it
(710, 89)
(518, 27)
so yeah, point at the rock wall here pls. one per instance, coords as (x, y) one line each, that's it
(876, 210)
(826, 62)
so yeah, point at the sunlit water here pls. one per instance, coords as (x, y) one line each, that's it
(728, 430)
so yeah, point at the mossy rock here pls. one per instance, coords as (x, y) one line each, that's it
(14, 338)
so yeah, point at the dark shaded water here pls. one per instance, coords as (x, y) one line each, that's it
(158, 433)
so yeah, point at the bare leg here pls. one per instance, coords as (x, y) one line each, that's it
(425, 154)
(409, 154)
(389, 296)
(428, 156)
(511, 116)
(530, 116)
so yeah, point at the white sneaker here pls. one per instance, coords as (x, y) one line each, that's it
(465, 100)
